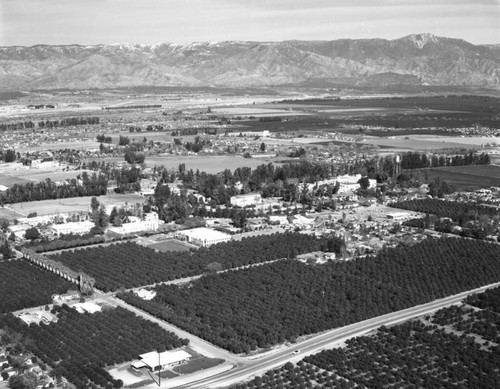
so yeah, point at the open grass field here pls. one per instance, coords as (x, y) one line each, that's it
(437, 102)
(467, 177)
(206, 163)
(74, 204)
(9, 214)
(169, 245)
(38, 175)
(420, 144)
(11, 179)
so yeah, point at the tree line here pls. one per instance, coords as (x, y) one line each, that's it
(73, 121)
(93, 185)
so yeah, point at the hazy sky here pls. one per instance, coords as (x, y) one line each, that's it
(30, 22)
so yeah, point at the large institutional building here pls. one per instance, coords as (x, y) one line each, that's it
(203, 236)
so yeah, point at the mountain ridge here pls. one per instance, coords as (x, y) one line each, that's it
(423, 59)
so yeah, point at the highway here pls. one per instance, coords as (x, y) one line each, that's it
(252, 366)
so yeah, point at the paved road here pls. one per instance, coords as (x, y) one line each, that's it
(257, 366)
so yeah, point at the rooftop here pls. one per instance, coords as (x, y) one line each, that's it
(165, 358)
(204, 233)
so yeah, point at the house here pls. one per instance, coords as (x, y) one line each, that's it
(155, 361)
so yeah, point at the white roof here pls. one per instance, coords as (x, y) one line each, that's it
(165, 358)
(204, 233)
(87, 307)
(75, 226)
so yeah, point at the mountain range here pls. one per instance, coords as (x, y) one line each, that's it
(419, 59)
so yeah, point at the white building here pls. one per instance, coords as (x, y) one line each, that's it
(73, 228)
(245, 200)
(146, 225)
(158, 361)
(279, 219)
(399, 216)
(203, 236)
(38, 164)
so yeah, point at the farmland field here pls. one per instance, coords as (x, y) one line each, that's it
(265, 305)
(209, 164)
(467, 177)
(74, 204)
(418, 144)
(24, 285)
(38, 175)
(11, 179)
(169, 245)
(9, 214)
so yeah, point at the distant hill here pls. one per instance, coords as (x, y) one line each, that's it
(420, 59)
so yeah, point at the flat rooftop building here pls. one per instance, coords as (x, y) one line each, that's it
(203, 236)
(155, 361)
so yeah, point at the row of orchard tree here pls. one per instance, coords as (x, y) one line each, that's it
(141, 266)
(80, 346)
(266, 305)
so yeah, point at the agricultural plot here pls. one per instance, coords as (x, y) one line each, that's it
(74, 204)
(11, 179)
(414, 144)
(35, 175)
(169, 245)
(79, 346)
(455, 210)
(130, 265)
(467, 177)
(265, 305)
(209, 164)
(23, 285)
(479, 317)
(6, 213)
(412, 354)
(455, 351)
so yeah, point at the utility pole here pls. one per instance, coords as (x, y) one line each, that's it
(159, 369)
